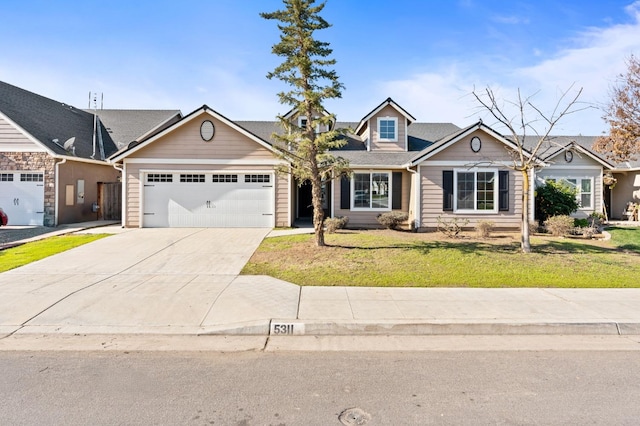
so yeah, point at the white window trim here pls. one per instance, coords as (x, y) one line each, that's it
(304, 117)
(578, 189)
(395, 129)
(496, 191)
(370, 173)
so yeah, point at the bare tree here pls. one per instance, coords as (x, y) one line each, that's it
(523, 121)
(623, 115)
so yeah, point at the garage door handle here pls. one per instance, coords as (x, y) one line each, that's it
(148, 214)
(267, 214)
(16, 201)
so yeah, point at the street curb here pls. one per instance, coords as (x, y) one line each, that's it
(427, 328)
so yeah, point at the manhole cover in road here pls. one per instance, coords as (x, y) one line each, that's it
(354, 416)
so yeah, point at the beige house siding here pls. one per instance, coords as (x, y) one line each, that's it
(491, 150)
(431, 195)
(579, 172)
(13, 140)
(133, 185)
(400, 144)
(185, 143)
(283, 194)
(627, 190)
(367, 218)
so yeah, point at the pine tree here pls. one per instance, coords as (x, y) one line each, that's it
(307, 70)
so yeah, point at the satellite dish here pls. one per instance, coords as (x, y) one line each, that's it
(68, 145)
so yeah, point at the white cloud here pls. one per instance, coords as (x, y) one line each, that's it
(599, 56)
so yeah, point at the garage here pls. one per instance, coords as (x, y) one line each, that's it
(217, 200)
(22, 197)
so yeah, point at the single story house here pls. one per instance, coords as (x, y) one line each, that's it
(206, 170)
(53, 158)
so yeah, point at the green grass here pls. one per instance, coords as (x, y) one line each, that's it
(388, 259)
(21, 255)
(626, 238)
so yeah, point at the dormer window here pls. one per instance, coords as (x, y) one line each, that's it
(302, 123)
(388, 129)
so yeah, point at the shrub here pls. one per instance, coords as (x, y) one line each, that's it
(484, 228)
(559, 225)
(451, 227)
(334, 223)
(555, 199)
(580, 223)
(392, 220)
(534, 227)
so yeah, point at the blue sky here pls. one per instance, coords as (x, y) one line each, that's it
(427, 55)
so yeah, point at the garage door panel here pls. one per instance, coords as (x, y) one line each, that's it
(22, 197)
(208, 204)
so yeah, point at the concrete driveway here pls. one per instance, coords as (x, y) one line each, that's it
(181, 280)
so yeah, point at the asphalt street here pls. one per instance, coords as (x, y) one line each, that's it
(400, 388)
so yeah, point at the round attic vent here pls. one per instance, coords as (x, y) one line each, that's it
(207, 130)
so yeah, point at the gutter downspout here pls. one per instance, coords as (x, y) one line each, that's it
(56, 200)
(123, 182)
(416, 209)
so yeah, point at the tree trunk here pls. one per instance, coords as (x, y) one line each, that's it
(316, 200)
(525, 242)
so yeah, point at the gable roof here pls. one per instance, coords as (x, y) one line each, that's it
(454, 137)
(128, 125)
(51, 123)
(136, 146)
(572, 145)
(377, 109)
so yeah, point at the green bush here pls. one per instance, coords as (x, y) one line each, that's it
(555, 199)
(392, 220)
(559, 225)
(334, 223)
(580, 223)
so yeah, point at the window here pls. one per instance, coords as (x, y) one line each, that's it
(583, 188)
(159, 177)
(191, 178)
(302, 123)
(6, 177)
(388, 129)
(257, 178)
(225, 178)
(371, 191)
(468, 191)
(476, 191)
(31, 177)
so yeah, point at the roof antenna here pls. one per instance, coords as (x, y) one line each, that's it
(95, 121)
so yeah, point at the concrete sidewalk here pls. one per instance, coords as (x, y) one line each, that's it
(186, 282)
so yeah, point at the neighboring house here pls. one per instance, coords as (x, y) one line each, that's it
(205, 170)
(53, 160)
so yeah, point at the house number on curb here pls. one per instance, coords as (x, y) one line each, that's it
(286, 328)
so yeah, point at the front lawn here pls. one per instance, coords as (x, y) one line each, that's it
(388, 258)
(30, 252)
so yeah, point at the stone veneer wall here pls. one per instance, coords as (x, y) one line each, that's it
(35, 161)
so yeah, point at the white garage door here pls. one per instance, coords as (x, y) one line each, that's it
(219, 200)
(22, 197)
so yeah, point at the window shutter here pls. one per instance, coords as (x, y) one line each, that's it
(503, 190)
(447, 190)
(345, 193)
(396, 202)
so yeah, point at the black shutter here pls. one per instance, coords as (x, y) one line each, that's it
(396, 202)
(447, 190)
(503, 190)
(345, 193)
